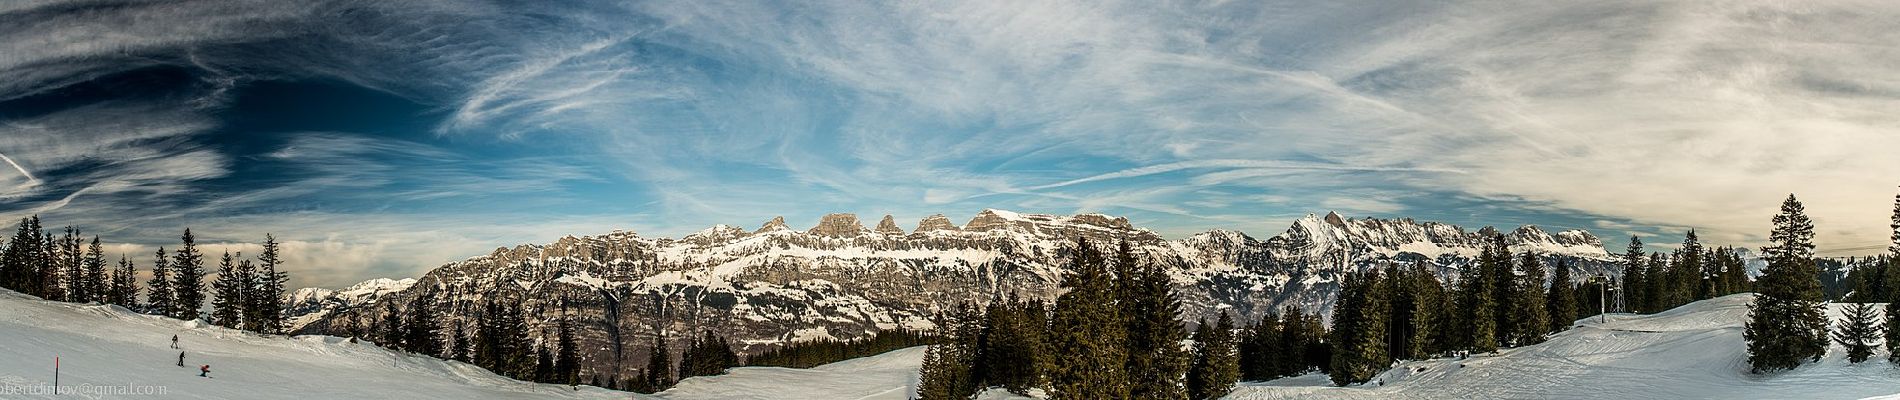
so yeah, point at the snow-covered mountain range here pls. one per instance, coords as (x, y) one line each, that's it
(841, 279)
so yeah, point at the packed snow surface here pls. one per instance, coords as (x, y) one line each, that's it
(101, 346)
(1692, 352)
(890, 375)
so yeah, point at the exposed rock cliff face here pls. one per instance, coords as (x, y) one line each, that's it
(841, 280)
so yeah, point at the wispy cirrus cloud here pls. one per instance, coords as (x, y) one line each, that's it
(1625, 117)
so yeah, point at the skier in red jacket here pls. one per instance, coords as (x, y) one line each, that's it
(204, 369)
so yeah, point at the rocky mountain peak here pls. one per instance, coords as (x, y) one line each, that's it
(936, 222)
(776, 224)
(838, 225)
(1334, 219)
(888, 226)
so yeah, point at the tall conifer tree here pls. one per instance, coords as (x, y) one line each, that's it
(93, 274)
(1156, 362)
(125, 284)
(1087, 327)
(1358, 337)
(1529, 321)
(1561, 301)
(268, 284)
(1787, 325)
(1635, 278)
(1216, 365)
(187, 279)
(162, 300)
(227, 302)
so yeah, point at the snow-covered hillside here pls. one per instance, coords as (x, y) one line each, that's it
(100, 346)
(1692, 352)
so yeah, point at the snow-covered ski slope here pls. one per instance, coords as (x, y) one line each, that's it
(109, 346)
(890, 376)
(1692, 352)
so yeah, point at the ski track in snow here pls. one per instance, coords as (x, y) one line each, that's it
(1691, 352)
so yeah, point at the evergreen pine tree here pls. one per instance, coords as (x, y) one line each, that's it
(1086, 325)
(125, 284)
(1216, 367)
(162, 300)
(390, 332)
(458, 345)
(942, 376)
(1656, 289)
(60, 280)
(1358, 337)
(1429, 310)
(1894, 247)
(1787, 325)
(543, 365)
(1476, 301)
(187, 279)
(1858, 332)
(1892, 312)
(47, 263)
(227, 302)
(1506, 291)
(1156, 361)
(1635, 279)
(1561, 301)
(16, 264)
(1686, 272)
(1530, 321)
(1012, 349)
(566, 357)
(93, 276)
(422, 333)
(1257, 347)
(659, 365)
(267, 303)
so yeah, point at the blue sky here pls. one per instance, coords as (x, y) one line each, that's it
(381, 139)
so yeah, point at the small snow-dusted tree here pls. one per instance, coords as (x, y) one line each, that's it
(1858, 332)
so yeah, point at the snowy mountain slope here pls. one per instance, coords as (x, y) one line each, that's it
(840, 279)
(1692, 352)
(107, 345)
(311, 304)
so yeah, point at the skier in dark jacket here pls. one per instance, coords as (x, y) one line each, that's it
(174, 341)
(204, 370)
(181, 359)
